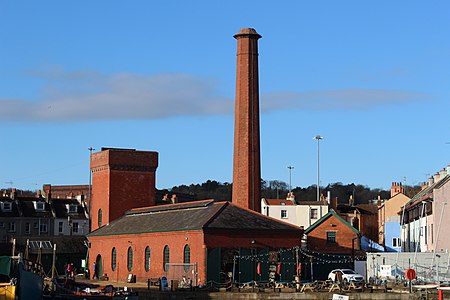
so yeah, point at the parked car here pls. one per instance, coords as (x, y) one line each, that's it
(347, 275)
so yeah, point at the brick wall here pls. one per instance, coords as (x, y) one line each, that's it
(121, 180)
(317, 238)
(156, 241)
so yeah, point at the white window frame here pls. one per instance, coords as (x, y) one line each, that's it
(316, 215)
(43, 227)
(75, 227)
(6, 206)
(39, 206)
(284, 214)
(27, 228)
(12, 227)
(396, 243)
(72, 208)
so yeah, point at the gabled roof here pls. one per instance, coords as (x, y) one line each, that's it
(278, 202)
(345, 208)
(427, 192)
(198, 215)
(60, 208)
(26, 207)
(321, 203)
(330, 214)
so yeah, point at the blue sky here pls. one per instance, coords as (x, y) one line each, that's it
(371, 77)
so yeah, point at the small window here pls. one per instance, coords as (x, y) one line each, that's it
(12, 227)
(73, 208)
(39, 206)
(6, 206)
(2, 224)
(166, 258)
(331, 237)
(147, 258)
(27, 228)
(113, 259)
(60, 227)
(43, 228)
(100, 216)
(314, 214)
(396, 242)
(187, 258)
(36, 225)
(130, 259)
(284, 214)
(283, 203)
(75, 227)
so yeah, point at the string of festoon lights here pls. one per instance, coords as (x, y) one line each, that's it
(317, 257)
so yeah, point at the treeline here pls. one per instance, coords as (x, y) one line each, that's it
(275, 189)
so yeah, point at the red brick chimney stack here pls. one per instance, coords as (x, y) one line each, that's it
(246, 164)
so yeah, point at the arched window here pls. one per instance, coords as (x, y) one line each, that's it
(187, 258)
(100, 216)
(166, 259)
(113, 259)
(147, 258)
(130, 259)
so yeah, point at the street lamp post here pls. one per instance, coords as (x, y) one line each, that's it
(318, 138)
(90, 184)
(290, 177)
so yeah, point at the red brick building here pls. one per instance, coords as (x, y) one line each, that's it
(206, 234)
(203, 240)
(122, 179)
(332, 234)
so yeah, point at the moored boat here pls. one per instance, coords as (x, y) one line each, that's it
(66, 288)
(20, 279)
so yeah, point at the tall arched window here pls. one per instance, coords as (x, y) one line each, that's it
(166, 259)
(147, 258)
(130, 259)
(113, 259)
(187, 258)
(100, 216)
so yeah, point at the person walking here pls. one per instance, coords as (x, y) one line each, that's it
(69, 270)
(95, 275)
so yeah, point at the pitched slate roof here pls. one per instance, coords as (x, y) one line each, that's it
(26, 206)
(345, 208)
(60, 208)
(196, 215)
(278, 202)
(14, 209)
(325, 217)
(427, 192)
(232, 217)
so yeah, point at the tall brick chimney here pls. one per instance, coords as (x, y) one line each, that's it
(246, 163)
(122, 179)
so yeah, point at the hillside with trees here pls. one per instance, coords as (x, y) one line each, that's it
(275, 189)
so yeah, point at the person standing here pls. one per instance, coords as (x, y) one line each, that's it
(69, 270)
(95, 275)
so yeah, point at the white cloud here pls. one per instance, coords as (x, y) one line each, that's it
(71, 96)
(344, 99)
(89, 96)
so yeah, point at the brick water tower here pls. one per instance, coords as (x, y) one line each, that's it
(122, 179)
(246, 162)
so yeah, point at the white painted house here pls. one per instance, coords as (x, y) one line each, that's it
(302, 214)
